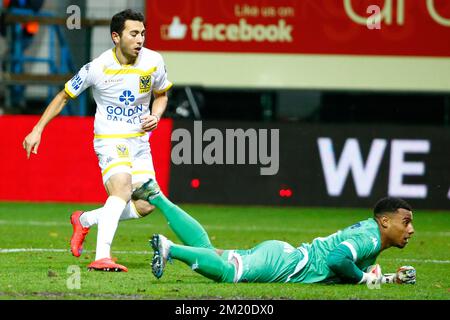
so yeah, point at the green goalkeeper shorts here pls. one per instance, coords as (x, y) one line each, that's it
(269, 261)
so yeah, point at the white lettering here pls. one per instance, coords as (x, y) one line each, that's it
(195, 27)
(181, 152)
(74, 281)
(246, 10)
(374, 21)
(281, 32)
(241, 147)
(386, 14)
(74, 20)
(435, 15)
(399, 168)
(184, 309)
(213, 153)
(350, 160)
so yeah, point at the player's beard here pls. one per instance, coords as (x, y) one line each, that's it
(132, 56)
(129, 53)
(133, 53)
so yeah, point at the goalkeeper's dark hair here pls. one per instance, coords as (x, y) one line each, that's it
(118, 20)
(390, 205)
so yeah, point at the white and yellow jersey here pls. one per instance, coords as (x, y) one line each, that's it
(122, 92)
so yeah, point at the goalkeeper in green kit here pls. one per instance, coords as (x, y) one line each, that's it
(347, 256)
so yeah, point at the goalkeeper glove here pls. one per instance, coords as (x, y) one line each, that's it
(404, 275)
(373, 277)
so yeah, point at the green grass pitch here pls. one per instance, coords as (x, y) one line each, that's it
(45, 274)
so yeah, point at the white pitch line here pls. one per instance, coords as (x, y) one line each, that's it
(148, 226)
(15, 250)
(213, 227)
(34, 223)
(421, 260)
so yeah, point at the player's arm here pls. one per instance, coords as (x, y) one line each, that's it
(74, 87)
(341, 262)
(33, 139)
(404, 275)
(159, 105)
(161, 86)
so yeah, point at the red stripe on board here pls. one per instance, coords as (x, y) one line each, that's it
(343, 27)
(66, 167)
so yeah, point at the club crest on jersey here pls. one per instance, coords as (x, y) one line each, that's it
(145, 83)
(122, 151)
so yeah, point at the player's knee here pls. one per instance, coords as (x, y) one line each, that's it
(119, 185)
(127, 194)
(143, 207)
(124, 194)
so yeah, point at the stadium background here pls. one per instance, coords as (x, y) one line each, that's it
(328, 75)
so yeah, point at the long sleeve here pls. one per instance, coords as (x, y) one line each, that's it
(340, 261)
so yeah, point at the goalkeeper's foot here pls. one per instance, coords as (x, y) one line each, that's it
(147, 191)
(106, 264)
(78, 235)
(161, 248)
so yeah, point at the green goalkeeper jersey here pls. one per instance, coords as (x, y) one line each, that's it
(362, 239)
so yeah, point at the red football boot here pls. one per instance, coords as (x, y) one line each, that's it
(79, 233)
(106, 264)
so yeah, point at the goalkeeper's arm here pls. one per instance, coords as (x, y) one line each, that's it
(340, 261)
(404, 275)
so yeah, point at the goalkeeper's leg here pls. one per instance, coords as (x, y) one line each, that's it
(204, 261)
(187, 229)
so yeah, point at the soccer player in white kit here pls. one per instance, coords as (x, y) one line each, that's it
(122, 79)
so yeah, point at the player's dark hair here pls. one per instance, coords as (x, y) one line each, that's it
(390, 205)
(118, 20)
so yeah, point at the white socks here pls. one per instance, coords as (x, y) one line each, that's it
(90, 218)
(107, 225)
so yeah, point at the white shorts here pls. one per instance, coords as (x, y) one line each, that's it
(125, 155)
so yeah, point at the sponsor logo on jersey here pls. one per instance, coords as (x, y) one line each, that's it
(127, 97)
(145, 83)
(131, 115)
(122, 151)
(122, 111)
(356, 225)
(114, 80)
(374, 241)
(195, 265)
(76, 81)
(287, 248)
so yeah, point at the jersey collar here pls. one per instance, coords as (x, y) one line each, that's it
(125, 65)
